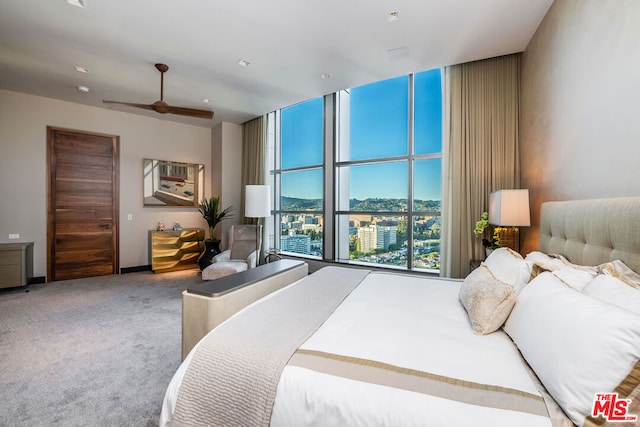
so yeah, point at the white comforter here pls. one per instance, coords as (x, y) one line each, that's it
(408, 322)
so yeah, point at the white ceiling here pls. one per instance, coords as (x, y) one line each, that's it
(289, 44)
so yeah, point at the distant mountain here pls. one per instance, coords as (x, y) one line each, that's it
(371, 205)
(393, 205)
(295, 204)
(378, 205)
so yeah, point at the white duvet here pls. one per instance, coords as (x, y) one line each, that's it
(408, 322)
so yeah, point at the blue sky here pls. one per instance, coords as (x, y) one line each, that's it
(378, 128)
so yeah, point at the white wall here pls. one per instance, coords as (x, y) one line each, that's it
(579, 130)
(23, 163)
(227, 173)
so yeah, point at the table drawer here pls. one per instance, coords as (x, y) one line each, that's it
(10, 275)
(10, 257)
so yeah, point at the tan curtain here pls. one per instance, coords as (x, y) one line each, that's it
(254, 164)
(480, 149)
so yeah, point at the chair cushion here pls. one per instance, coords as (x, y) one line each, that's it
(223, 268)
(243, 241)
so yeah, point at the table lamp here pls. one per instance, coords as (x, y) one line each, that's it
(508, 210)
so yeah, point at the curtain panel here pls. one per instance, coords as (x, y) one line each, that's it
(254, 152)
(254, 168)
(480, 148)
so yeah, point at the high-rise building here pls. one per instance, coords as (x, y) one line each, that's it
(386, 236)
(310, 220)
(367, 238)
(298, 243)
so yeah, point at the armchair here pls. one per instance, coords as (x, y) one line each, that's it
(240, 255)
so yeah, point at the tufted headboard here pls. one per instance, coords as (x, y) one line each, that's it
(591, 232)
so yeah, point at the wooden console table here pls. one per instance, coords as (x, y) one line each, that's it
(172, 250)
(207, 304)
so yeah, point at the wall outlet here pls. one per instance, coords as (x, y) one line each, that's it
(14, 236)
(129, 217)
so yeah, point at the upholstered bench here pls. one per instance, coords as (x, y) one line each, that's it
(208, 303)
(222, 269)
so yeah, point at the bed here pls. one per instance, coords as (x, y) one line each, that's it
(519, 342)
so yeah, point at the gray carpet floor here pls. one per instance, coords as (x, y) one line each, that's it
(90, 352)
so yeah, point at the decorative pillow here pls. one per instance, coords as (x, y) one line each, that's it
(577, 345)
(619, 270)
(509, 267)
(488, 301)
(614, 291)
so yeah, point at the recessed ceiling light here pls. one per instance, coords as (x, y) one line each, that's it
(393, 16)
(206, 101)
(83, 89)
(243, 63)
(80, 69)
(325, 76)
(77, 3)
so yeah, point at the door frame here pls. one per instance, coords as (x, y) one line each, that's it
(115, 182)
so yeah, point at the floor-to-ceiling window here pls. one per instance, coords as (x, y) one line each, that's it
(386, 158)
(298, 178)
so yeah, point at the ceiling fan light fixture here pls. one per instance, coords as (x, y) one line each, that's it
(81, 69)
(243, 63)
(393, 16)
(83, 89)
(206, 101)
(77, 3)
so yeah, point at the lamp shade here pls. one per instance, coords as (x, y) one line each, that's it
(257, 201)
(509, 208)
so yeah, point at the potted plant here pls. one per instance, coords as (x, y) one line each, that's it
(481, 225)
(210, 210)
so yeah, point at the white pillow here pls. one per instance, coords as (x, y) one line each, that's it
(574, 275)
(577, 345)
(577, 279)
(614, 291)
(542, 258)
(508, 266)
(558, 261)
(619, 270)
(488, 301)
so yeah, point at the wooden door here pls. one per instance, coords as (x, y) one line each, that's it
(82, 214)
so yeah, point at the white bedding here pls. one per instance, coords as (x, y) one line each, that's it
(407, 322)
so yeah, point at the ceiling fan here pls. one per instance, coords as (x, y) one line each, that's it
(161, 106)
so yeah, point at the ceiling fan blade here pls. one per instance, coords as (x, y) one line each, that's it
(130, 104)
(162, 107)
(192, 112)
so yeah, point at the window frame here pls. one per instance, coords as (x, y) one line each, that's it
(332, 116)
(276, 171)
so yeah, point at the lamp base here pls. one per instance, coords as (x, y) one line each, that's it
(509, 237)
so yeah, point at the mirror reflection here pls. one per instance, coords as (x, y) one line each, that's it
(172, 184)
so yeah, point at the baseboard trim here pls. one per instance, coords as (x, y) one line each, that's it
(135, 269)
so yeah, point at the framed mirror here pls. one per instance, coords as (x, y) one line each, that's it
(169, 184)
